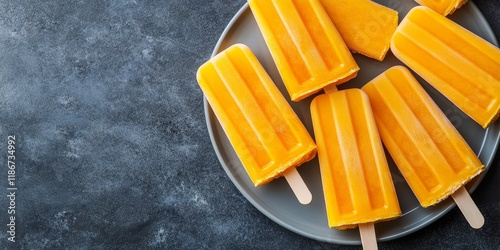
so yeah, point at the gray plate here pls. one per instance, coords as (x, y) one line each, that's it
(277, 201)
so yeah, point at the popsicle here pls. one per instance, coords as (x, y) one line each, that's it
(365, 26)
(444, 7)
(430, 153)
(357, 183)
(459, 64)
(268, 137)
(304, 44)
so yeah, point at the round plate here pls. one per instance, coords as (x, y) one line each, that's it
(276, 199)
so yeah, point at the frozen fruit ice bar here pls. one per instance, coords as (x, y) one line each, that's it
(356, 180)
(305, 45)
(430, 153)
(459, 64)
(265, 132)
(365, 26)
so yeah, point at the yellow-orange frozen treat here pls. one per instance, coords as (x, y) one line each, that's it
(459, 64)
(444, 7)
(305, 45)
(365, 26)
(265, 132)
(356, 180)
(430, 153)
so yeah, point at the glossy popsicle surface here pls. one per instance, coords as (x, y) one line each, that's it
(459, 64)
(305, 45)
(357, 184)
(430, 153)
(265, 132)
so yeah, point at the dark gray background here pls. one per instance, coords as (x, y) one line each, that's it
(112, 147)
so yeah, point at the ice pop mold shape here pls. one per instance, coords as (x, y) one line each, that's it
(305, 45)
(429, 152)
(365, 26)
(459, 64)
(268, 137)
(356, 180)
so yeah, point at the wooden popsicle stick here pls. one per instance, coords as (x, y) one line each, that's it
(298, 186)
(368, 236)
(468, 207)
(330, 88)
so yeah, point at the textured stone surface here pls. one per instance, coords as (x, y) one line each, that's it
(112, 146)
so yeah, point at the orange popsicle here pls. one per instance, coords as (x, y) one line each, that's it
(444, 7)
(268, 137)
(365, 26)
(430, 153)
(356, 179)
(459, 64)
(305, 45)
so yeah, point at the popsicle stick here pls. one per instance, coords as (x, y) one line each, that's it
(368, 237)
(330, 88)
(469, 208)
(298, 186)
